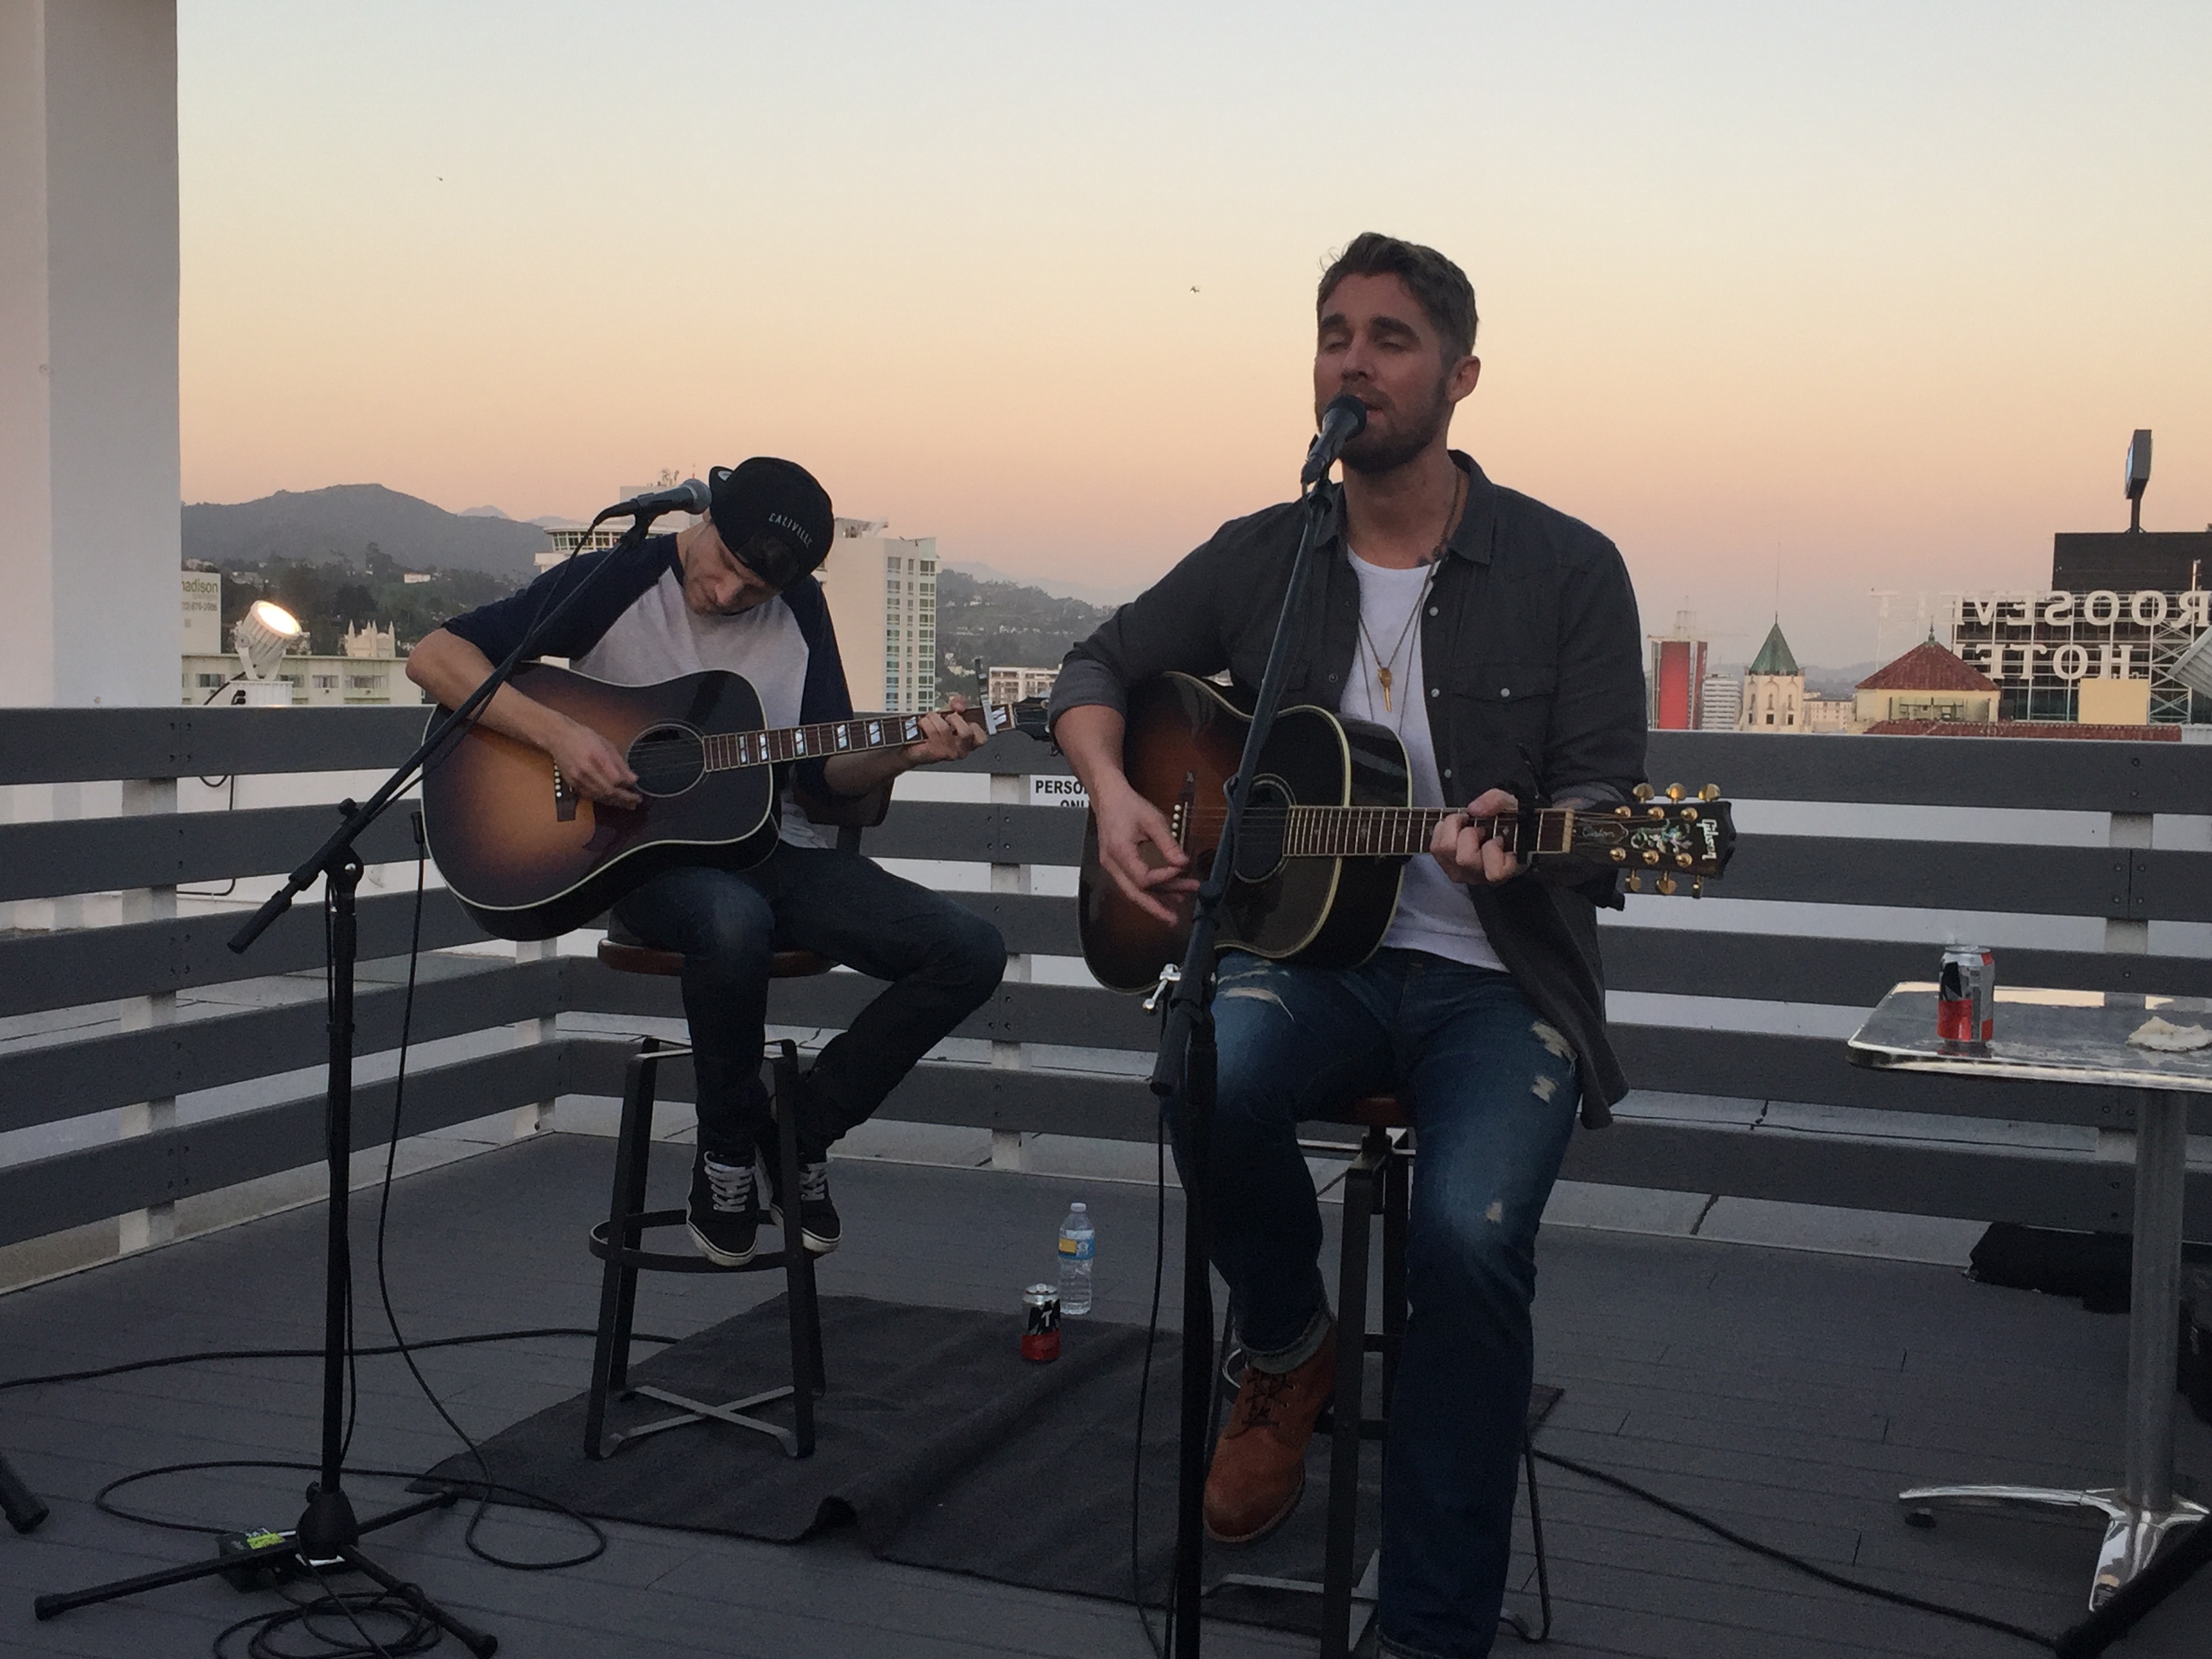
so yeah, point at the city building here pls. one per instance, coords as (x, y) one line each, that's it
(1677, 676)
(1928, 682)
(883, 602)
(1018, 684)
(368, 668)
(1773, 688)
(1827, 714)
(2099, 646)
(1720, 703)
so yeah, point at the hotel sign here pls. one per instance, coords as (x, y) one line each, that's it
(2048, 641)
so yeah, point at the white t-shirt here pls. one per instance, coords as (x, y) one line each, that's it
(1433, 914)
(660, 636)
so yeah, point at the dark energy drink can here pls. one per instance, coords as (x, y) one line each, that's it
(1041, 1322)
(1966, 997)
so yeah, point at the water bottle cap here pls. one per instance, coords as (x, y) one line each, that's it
(1072, 1208)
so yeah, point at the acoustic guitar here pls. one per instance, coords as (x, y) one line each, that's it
(529, 858)
(1330, 826)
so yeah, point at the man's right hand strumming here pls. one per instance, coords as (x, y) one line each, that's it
(1135, 843)
(449, 668)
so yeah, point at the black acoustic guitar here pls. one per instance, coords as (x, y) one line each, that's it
(528, 858)
(1329, 831)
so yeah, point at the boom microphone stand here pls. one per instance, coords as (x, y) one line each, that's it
(328, 1532)
(1185, 1070)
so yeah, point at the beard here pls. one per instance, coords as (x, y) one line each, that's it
(1374, 452)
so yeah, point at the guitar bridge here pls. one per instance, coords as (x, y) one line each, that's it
(564, 799)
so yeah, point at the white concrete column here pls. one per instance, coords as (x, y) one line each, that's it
(1009, 790)
(89, 538)
(157, 1223)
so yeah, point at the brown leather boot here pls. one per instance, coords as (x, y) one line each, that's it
(1259, 1463)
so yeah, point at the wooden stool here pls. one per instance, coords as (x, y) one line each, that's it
(1378, 1182)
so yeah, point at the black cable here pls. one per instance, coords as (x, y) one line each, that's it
(209, 1356)
(1839, 1580)
(598, 1545)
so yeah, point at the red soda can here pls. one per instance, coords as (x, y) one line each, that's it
(1041, 1322)
(1966, 997)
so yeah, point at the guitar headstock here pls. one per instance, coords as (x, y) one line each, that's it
(1665, 839)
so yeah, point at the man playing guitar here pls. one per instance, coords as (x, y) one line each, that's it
(736, 591)
(1499, 639)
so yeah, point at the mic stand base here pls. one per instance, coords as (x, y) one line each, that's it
(328, 1535)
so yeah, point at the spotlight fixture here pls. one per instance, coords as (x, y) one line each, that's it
(262, 637)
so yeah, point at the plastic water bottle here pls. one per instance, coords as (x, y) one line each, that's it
(1078, 1242)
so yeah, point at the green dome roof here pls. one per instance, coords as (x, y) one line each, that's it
(1774, 656)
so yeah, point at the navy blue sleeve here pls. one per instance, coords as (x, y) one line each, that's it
(825, 695)
(496, 629)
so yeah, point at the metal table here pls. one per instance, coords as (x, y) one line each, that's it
(2081, 1037)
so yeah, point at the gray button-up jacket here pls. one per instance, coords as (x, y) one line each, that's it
(1532, 656)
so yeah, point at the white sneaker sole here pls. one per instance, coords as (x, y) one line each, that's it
(719, 1257)
(816, 1244)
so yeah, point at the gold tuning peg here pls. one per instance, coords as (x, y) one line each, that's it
(1674, 791)
(1683, 860)
(1644, 792)
(1624, 811)
(1711, 792)
(1635, 883)
(1697, 888)
(1650, 856)
(1621, 855)
(1666, 886)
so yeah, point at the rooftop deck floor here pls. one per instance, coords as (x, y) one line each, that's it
(1787, 1394)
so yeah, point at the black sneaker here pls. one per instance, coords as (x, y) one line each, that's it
(817, 1217)
(723, 1215)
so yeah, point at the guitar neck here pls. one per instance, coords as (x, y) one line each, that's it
(726, 750)
(1404, 831)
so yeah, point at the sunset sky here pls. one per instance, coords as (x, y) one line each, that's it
(1870, 296)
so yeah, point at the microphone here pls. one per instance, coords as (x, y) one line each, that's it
(690, 496)
(1343, 420)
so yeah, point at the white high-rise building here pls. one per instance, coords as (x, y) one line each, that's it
(883, 602)
(1720, 703)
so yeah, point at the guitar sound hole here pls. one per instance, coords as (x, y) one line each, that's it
(1259, 842)
(668, 760)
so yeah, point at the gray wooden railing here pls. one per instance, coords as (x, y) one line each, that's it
(89, 1024)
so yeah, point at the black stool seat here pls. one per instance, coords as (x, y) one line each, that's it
(629, 955)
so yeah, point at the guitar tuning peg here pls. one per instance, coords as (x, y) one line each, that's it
(1650, 856)
(1635, 883)
(1642, 792)
(1674, 791)
(1683, 860)
(1666, 886)
(1697, 888)
(1621, 855)
(1711, 792)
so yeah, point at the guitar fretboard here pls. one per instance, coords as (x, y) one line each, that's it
(725, 750)
(1401, 831)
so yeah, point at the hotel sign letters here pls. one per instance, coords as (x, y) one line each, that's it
(2055, 638)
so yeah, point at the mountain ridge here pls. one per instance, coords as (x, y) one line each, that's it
(344, 521)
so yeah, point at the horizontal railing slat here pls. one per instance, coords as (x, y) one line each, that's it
(52, 1082)
(92, 1183)
(84, 965)
(163, 849)
(86, 745)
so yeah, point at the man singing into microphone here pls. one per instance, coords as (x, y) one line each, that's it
(736, 591)
(1499, 639)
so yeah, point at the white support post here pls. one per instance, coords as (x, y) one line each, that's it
(1009, 790)
(90, 475)
(157, 1223)
(2128, 936)
(538, 1114)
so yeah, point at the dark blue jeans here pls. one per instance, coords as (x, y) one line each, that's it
(1492, 1092)
(942, 962)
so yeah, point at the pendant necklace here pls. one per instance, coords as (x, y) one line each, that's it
(1383, 675)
